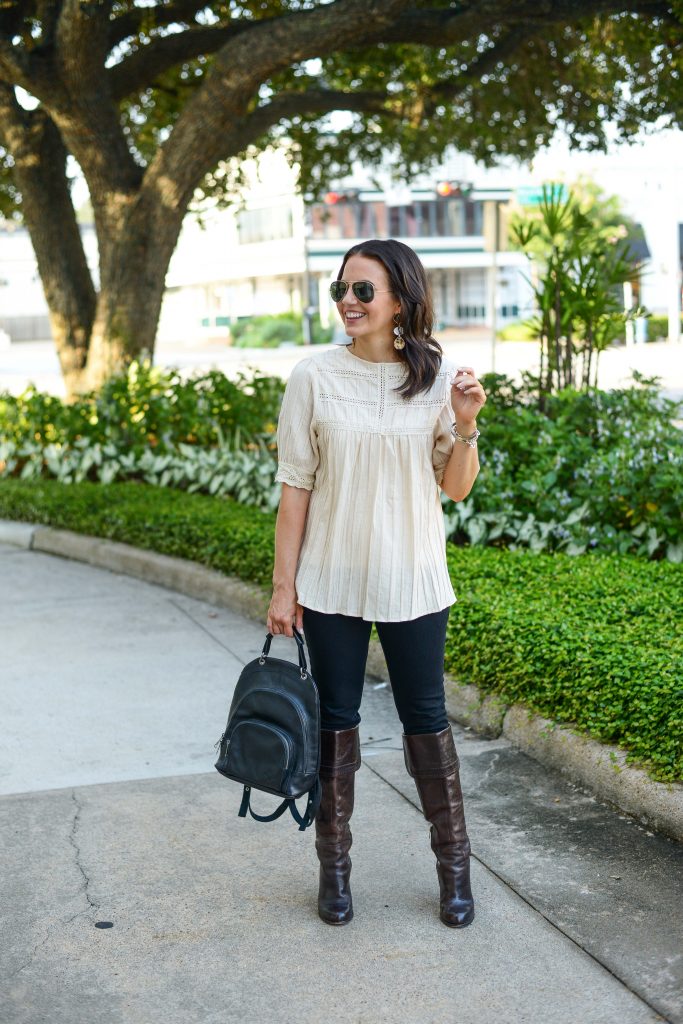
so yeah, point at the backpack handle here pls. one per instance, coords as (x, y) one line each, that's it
(312, 805)
(299, 642)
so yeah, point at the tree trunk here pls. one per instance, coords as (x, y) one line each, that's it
(40, 170)
(133, 267)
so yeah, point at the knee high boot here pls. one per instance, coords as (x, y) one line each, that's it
(431, 759)
(339, 761)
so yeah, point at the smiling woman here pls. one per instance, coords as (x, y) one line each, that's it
(365, 442)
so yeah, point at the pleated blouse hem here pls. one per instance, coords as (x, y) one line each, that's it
(334, 609)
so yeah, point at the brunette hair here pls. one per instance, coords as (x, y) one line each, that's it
(422, 353)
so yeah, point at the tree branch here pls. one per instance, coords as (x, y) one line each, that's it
(48, 12)
(197, 141)
(138, 71)
(449, 26)
(140, 19)
(14, 64)
(82, 43)
(286, 105)
(482, 64)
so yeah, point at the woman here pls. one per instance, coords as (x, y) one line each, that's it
(367, 435)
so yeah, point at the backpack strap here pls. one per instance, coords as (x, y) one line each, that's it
(312, 805)
(308, 818)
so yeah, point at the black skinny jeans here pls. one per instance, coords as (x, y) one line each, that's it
(414, 651)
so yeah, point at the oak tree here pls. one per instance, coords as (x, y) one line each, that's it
(150, 100)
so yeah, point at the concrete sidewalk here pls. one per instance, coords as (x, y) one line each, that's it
(114, 692)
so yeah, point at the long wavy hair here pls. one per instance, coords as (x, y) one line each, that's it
(422, 353)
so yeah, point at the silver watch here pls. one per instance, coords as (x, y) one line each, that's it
(471, 440)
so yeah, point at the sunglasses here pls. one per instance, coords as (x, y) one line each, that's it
(363, 290)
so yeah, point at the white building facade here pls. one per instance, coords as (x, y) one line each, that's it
(273, 255)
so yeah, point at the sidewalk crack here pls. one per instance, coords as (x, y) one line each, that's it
(92, 903)
(485, 777)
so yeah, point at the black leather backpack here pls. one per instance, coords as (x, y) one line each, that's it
(272, 739)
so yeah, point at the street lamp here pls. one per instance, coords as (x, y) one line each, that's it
(306, 309)
(494, 238)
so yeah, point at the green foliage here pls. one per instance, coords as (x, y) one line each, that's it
(591, 642)
(420, 100)
(147, 408)
(217, 532)
(516, 332)
(594, 472)
(583, 260)
(271, 331)
(597, 471)
(248, 476)
(658, 328)
(486, 83)
(594, 643)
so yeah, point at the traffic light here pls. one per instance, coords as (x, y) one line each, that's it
(453, 189)
(348, 195)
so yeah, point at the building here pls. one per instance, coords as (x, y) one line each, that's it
(275, 255)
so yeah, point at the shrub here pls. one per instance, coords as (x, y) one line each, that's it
(658, 327)
(271, 331)
(148, 408)
(595, 471)
(516, 332)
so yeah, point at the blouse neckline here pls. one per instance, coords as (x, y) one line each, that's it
(370, 362)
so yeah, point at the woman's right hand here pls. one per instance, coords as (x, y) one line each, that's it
(284, 611)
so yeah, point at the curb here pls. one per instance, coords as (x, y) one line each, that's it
(597, 767)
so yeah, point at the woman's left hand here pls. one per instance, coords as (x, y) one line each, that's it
(467, 395)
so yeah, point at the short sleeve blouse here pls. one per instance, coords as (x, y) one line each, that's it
(374, 540)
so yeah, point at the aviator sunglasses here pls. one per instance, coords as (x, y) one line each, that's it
(363, 290)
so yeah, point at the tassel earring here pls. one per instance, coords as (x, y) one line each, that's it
(398, 331)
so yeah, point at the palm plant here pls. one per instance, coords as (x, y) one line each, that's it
(582, 266)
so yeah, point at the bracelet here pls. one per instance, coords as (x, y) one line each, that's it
(471, 440)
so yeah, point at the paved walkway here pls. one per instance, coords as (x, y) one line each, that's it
(114, 692)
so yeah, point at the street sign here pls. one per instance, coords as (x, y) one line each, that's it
(532, 195)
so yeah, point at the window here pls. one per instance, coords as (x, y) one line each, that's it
(440, 218)
(266, 225)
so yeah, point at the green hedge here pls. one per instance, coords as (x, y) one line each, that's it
(592, 641)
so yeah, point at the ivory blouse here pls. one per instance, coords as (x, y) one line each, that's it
(374, 540)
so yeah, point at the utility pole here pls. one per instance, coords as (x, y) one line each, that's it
(492, 244)
(306, 297)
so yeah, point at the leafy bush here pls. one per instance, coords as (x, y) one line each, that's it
(594, 642)
(271, 331)
(658, 327)
(597, 470)
(594, 471)
(520, 331)
(149, 408)
(582, 262)
(248, 476)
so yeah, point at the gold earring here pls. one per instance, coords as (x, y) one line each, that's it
(398, 332)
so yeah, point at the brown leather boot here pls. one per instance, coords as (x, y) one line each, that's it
(339, 761)
(432, 760)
